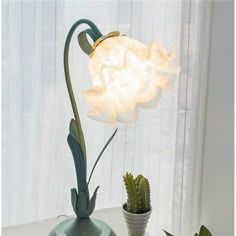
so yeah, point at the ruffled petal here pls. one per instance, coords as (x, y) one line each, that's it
(154, 101)
(129, 117)
(103, 117)
(95, 98)
(127, 75)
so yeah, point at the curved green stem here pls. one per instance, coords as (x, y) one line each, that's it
(96, 162)
(98, 34)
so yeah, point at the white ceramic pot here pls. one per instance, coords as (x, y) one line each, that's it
(136, 223)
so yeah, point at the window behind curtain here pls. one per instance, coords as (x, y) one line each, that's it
(165, 144)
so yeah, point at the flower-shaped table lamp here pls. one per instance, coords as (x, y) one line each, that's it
(126, 75)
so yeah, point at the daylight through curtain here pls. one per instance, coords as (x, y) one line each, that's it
(165, 144)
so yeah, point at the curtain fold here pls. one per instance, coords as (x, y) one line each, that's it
(195, 33)
(165, 144)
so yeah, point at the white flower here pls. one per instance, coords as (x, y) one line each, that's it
(126, 75)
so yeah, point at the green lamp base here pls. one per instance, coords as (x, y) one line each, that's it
(82, 227)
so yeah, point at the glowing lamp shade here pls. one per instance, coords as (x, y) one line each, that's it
(127, 75)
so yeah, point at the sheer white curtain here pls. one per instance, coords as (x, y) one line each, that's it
(165, 145)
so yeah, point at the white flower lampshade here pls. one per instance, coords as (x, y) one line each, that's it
(127, 75)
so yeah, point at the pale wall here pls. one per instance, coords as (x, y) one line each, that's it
(217, 181)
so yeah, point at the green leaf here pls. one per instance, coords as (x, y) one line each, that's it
(168, 234)
(82, 205)
(74, 198)
(79, 161)
(92, 202)
(78, 135)
(204, 231)
(73, 130)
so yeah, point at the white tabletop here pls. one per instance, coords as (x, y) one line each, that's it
(112, 216)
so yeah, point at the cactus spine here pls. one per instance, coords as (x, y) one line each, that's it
(138, 193)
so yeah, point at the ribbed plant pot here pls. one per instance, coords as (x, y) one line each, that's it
(136, 223)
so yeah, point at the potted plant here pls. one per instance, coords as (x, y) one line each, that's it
(203, 232)
(137, 209)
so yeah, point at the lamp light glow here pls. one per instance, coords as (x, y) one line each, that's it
(126, 75)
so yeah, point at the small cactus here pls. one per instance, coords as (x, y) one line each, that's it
(144, 190)
(138, 193)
